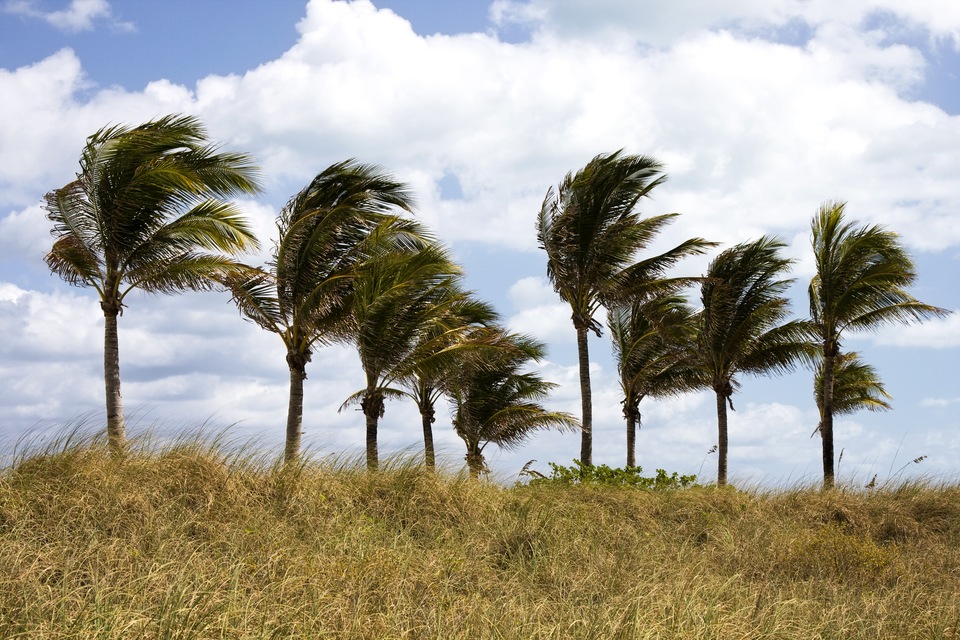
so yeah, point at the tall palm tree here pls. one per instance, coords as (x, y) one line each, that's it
(398, 293)
(860, 284)
(741, 326)
(592, 234)
(304, 293)
(148, 211)
(856, 386)
(652, 338)
(494, 399)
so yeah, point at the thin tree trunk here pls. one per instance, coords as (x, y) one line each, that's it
(297, 365)
(372, 405)
(826, 425)
(116, 430)
(586, 398)
(722, 445)
(632, 415)
(427, 418)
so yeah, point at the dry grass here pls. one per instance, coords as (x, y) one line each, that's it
(187, 541)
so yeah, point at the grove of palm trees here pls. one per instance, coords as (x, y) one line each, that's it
(149, 210)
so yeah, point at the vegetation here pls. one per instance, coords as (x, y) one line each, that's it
(195, 541)
(147, 212)
(862, 273)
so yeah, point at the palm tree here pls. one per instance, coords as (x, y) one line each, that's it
(591, 232)
(458, 328)
(147, 211)
(862, 274)
(652, 340)
(494, 400)
(741, 326)
(304, 293)
(856, 386)
(398, 293)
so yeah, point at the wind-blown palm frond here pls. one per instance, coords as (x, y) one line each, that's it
(147, 211)
(860, 285)
(856, 386)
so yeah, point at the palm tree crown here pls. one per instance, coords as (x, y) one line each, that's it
(860, 284)
(147, 211)
(592, 234)
(856, 386)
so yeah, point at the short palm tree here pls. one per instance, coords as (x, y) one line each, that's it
(860, 284)
(398, 294)
(856, 386)
(652, 340)
(592, 234)
(494, 399)
(304, 293)
(741, 327)
(460, 327)
(147, 211)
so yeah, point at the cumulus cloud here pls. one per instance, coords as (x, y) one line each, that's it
(80, 15)
(938, 333)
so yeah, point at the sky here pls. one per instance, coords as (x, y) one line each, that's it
(760, 110)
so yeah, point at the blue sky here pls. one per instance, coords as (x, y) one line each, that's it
(760, 110)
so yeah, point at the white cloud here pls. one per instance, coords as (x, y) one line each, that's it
(939, 402)
(938, 333)
(80, 15)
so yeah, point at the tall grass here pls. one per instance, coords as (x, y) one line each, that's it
(194, 539)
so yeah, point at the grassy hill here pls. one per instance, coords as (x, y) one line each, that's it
(190, 541)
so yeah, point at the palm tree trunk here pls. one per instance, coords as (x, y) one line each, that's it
(586, 398)
(633, 416)
(116, 430)
(722, 445)
(297, 365)
(826, 425)
(372, 405)
(475, 462)
(427, 418)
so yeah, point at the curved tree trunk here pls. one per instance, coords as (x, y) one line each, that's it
(297, 363)
(826, 425)
(116, 430)
(427, 414)
(722, 444)
(586, 398)
(372, 405)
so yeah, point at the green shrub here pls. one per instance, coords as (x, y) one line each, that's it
(586, 474)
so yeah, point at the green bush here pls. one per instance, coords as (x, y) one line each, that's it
(588, 474)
